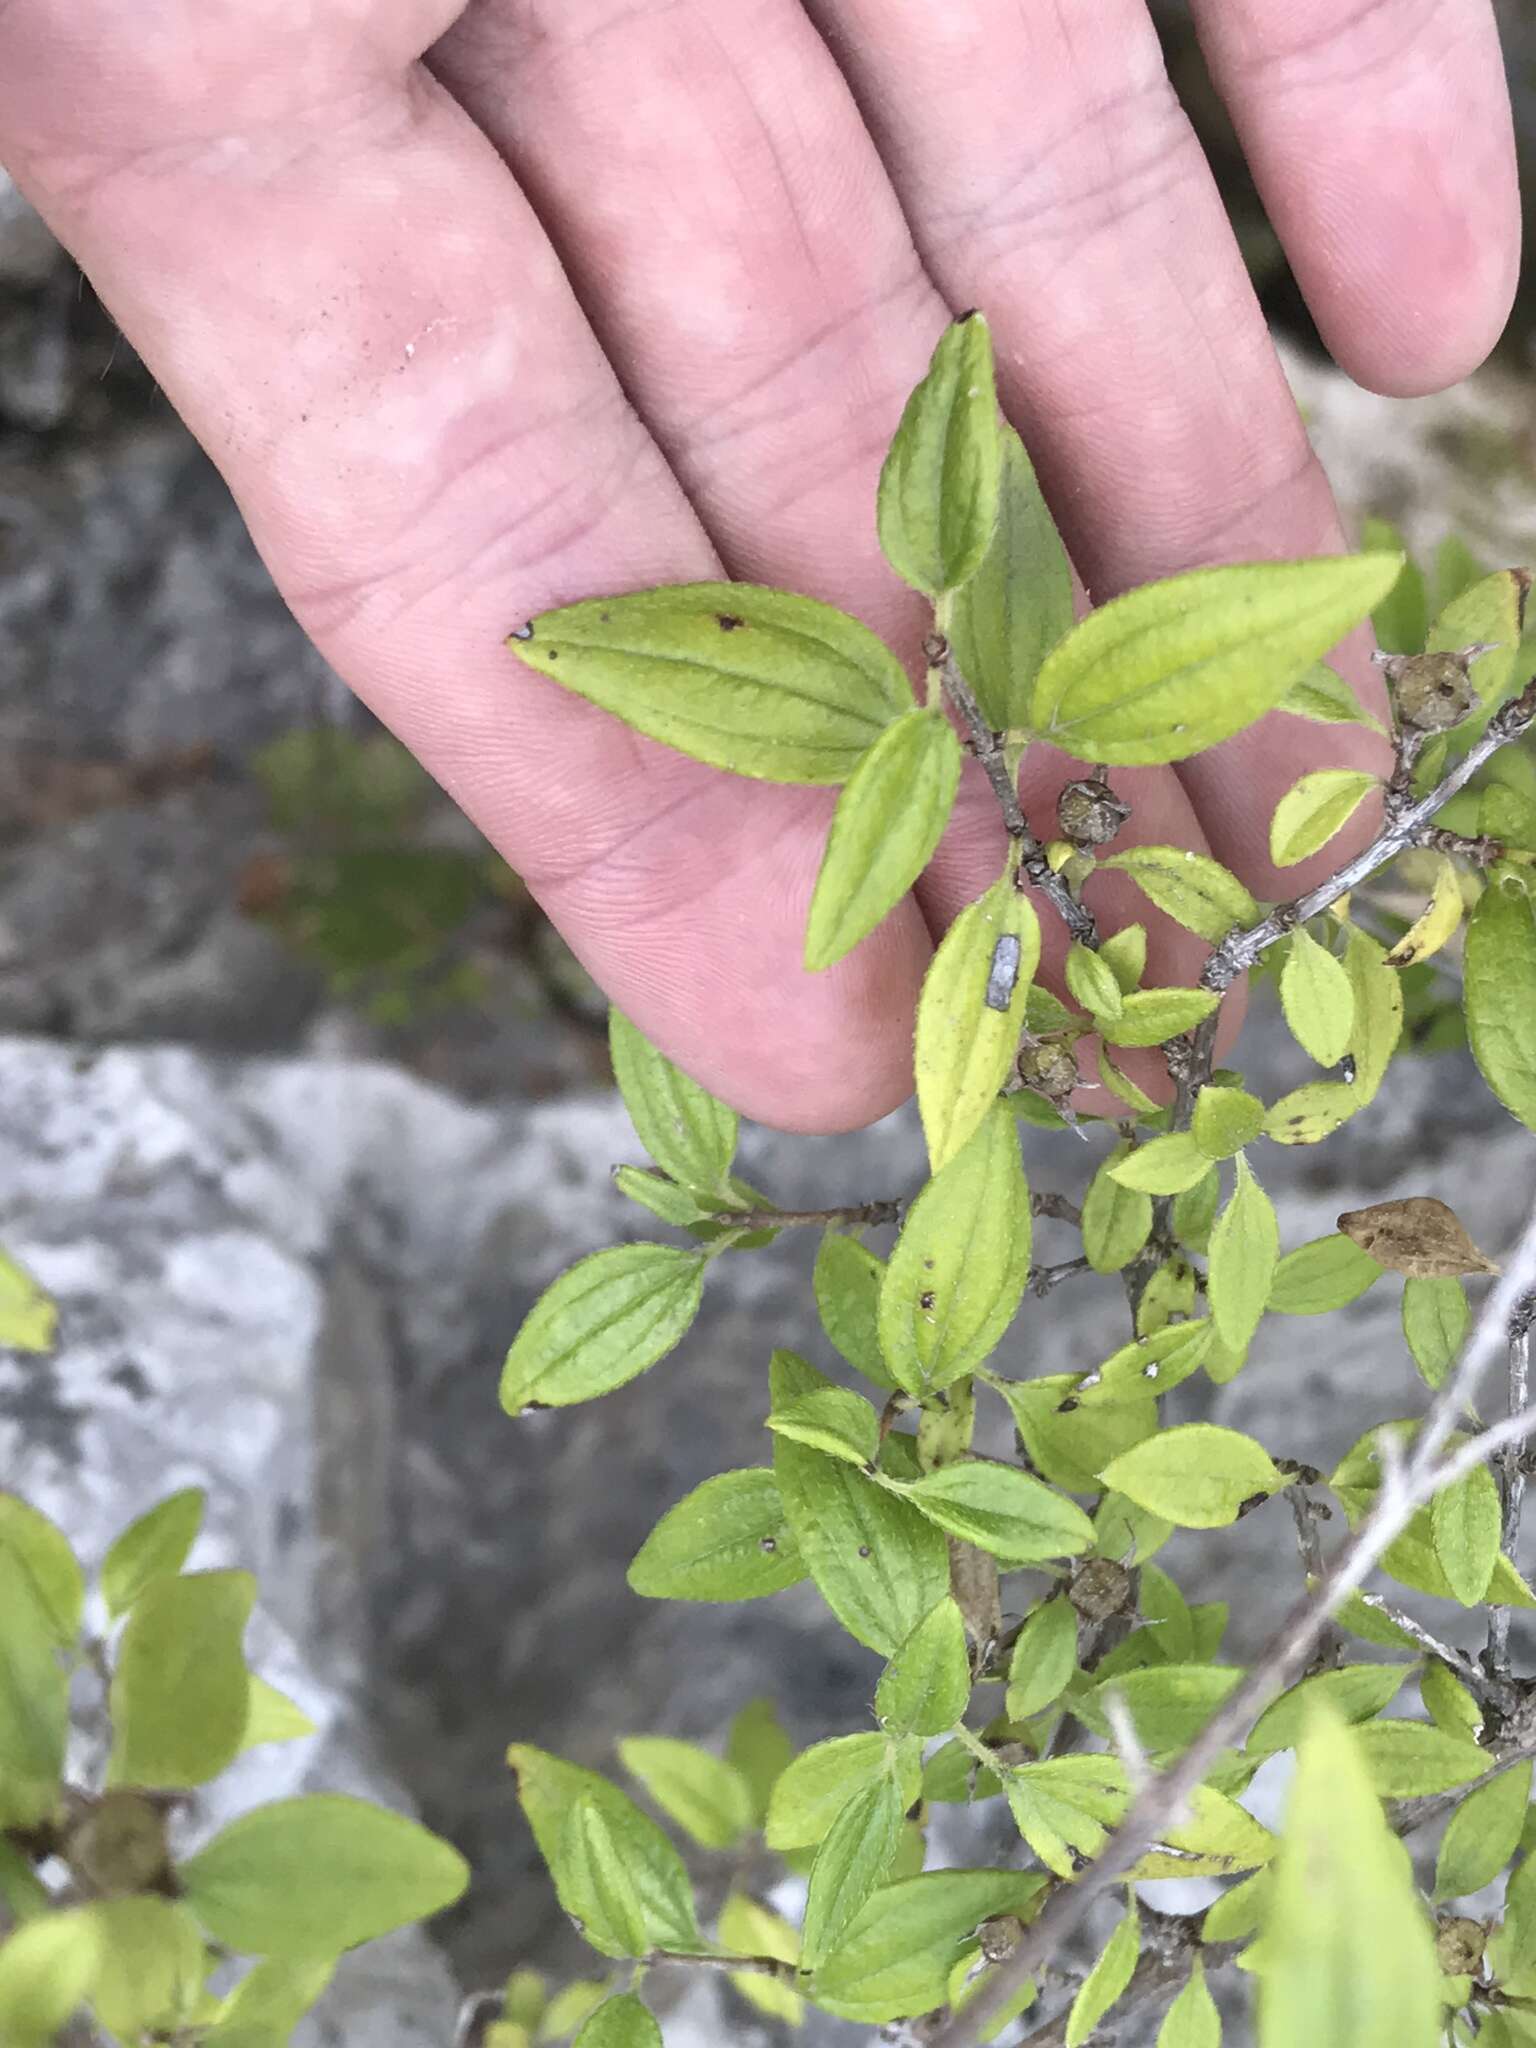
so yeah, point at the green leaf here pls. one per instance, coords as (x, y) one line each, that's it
(1500, 968)
(1125, 954)
(47, 1969)
(180, 1689)
(1323, 696)
(1044, 1658)
(1465, 1520)
(926, 1686)
(1354, 1692)
(28, 1319)
(1314, 810)
(1117, 1221)
(729, 1539)
(1318, 999)
(1192, 2020)
(1245, 1253)
(34, 1704)
(687, 1132)
(663, 1197)
(745, 678)
(1436, 1318)
(1166, 1166)
(847, 1283)
(1447, 1702)
(38, 1547)
(1401, 619)
(895, 1958)
(1168, 1703)
(1065, 1807)
(1194, 890)
(1406, 1759)
(709, 1799)
(621, 2022)
(1238, 1913)
(272, 1717)
(1311, 1113)
(1512, 1952)
(1484, 1832)
(889, 819)
(965, 1042)
(1348, 1956)
(758, 1749)
(959, 1268)
(316, 1875)
(1092, 983)
(1491, 611)
(1151, 1016)
(569, 2009)
(1174, 667)
(854, 1858)
(602, 1323)
(878, 1565)
(154, 1546)
(750, 1929)
(1226, 1119)
(815, 1788)
(596, 1884)
(830, 1419)
(1148, 1365)
(268, 2003)
(1002, 1510)
(152, 1966)
(1194, 1211)
(1326, 1274)
(1196, 1476)
(1107, 1979)
(1006, 618)
(1378, 1013)
(1071, 1447)
(938, 497)
(548, 1788)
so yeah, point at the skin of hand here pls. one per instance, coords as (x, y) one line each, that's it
(484, 308)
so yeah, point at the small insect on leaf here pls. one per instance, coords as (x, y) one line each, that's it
(1417, 1235)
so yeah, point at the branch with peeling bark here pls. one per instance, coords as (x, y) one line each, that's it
(1410, 1479)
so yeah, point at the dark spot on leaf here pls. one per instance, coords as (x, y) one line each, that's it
(926, 1301)
(728, 621)
(768, 1544)
(864, 1550)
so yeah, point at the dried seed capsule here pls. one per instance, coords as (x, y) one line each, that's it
(1100, 1588)
(1049, 1067)
(1432, 692)
(1090, 814)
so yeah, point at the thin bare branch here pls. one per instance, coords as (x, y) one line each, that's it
(866, 1214)
(1512, 1473)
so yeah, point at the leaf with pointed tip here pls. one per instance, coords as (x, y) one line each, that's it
(1315, 810)
(853, 1859)
(1483, 1834)
(1001, 1510)
(938, 496)
(155, 1544)
(1194, 890)
(687, 1132)
(925, 1687)
(970, 1013)
(1196, 1475)
(602, 1323)
(1436, 1319)
(1500, 967)
(1326, 1274)
(1245, 1251)
(1318, 999)
(729, 1539)
(1006, 618)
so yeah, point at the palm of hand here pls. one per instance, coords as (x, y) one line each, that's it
(484, 309)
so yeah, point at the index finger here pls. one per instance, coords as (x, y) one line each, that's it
(360, 317)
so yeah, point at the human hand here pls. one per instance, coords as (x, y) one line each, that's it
(484, 309)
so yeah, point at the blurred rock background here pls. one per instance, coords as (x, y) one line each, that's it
(301, 1104)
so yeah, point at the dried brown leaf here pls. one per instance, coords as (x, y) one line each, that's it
(1417, 1235)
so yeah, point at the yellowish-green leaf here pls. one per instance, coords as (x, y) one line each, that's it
(1465, 1520)
(1006, 618)
(1151, 1016)
(847, 1284)
(156, 1544)
(1125, 954)
(1001, 1510)
(855, 1856)
(938, 498)
(1044, 1658)
(1225, 1120)
(1218, 1839)
(1168, 1703)
(970, 1014)
(1355, 1692)
(1401, 619)
(687, 1132)
(1311, 1113)
(1194, 890)
(748, 1928)
(602, 1323)
(1314, 810)
(1326, 1274)
(621, 2022)
(1149, 1365)
(1348, 1959)
(1073, 1448)
(1491, 613)
(1407, 1759)
(1378, 1013)
(1192, 2020)
(1484, 1832)
(1436, 1319)
(709, 1799)
(31, 1543)
(1091, 982)
(1500, 964)
(1166, 1166)
(152, 1966)
(1107, 1979)
(889, 818)
(28, 1319)
(1117, 1220)
(1318, 999)
(1323, 696)
(34, 1703)
(894, 1960)
(1439, 922)
(729, 1539)
(758, 1748)
(180, 1689)
(828, 1418)
(1245, 1252)
(1194, 1211)
(268, 2003)
(960, 1266)
(815, 1788)
(1196, 1475)
(746, 678)
(1174, 667)
(927, 1684)
(273, 1717)
(596, 1884)
(47, 1969)
(1447, 1701)
(1065, 1806)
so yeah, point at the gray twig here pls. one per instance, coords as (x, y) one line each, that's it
(867, 1214)
(1511, 1469)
